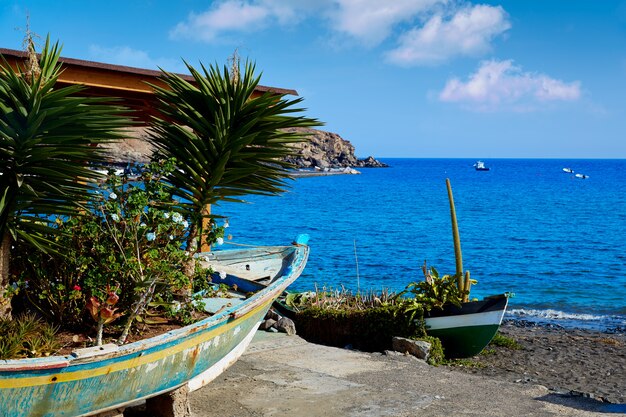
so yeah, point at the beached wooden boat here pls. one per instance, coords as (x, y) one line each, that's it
(463, 331)
(467, 330)
(93, 380)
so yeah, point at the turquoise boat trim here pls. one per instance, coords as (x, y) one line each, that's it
(87, 384)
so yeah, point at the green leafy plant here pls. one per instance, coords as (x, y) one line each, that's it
(433, 292)
(128, 247)
(227, 140)
(48, 136)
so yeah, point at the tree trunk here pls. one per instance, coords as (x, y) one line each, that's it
(207, 223)
(5, 300)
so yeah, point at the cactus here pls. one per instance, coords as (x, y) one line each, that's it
(457, 240)
(466, 288)
(463, 283)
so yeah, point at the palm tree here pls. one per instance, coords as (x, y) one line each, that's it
(47, 137)
(227, 142)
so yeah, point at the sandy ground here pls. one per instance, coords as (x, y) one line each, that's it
(556, 373)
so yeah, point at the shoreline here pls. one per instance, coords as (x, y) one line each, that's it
(580, 362)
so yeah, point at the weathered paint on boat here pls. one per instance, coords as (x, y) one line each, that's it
(91, 381)
(466, 331)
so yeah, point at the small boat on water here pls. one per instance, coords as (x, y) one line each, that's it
(94, 380)
(581, 176)
(480, 166)
(568, 170)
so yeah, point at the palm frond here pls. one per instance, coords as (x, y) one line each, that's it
(48, 138)
(226, 142)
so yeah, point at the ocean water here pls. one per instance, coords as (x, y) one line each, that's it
(557, 242)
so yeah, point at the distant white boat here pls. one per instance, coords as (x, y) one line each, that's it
(568, 170)
(480, 166)
(582, 176)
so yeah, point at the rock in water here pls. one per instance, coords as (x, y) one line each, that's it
(417, 348)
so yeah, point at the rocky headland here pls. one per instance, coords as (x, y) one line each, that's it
(328, 150)
(322, 150)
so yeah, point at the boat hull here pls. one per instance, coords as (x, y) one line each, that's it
(466, 331)
(97, 380)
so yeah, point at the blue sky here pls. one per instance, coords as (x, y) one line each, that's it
(402, 78)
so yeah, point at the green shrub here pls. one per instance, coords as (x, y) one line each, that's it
(128, 246)
(506, 342)
(26, 337)
(369, 330)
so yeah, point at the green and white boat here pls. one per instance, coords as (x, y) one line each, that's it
(465, 331)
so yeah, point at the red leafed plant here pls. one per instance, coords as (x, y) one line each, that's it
(103, 312)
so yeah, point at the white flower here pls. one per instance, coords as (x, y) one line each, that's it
(112, 196)
(115, 217)
(150, 236)
(222, 275)
(171, 237)
(226, 224)
(185, 224)
(177, 218)
(220, 241)
(166, 215)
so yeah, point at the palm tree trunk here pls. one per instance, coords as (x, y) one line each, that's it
(5, 300)
(207, 223)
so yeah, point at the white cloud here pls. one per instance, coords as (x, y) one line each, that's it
(367, 21)
(371, 21)
(231, 16)
(441, 29)
(226, 16)
(124, 55)
(501, 83)
(469, 31)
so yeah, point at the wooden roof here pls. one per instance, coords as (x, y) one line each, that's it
(107, 80)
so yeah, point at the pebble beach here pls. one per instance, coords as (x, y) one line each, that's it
(569, 361)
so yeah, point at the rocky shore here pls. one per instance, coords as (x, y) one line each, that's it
(328, 150)
(577, 362)
(324, 150)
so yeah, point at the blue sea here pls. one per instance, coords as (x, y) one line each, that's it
(556, 241)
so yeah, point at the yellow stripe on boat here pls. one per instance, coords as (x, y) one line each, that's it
(129, 363)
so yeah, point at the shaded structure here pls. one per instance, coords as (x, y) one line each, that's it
(131, 85)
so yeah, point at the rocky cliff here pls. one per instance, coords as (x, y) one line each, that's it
(323, 149)
(328, 150)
